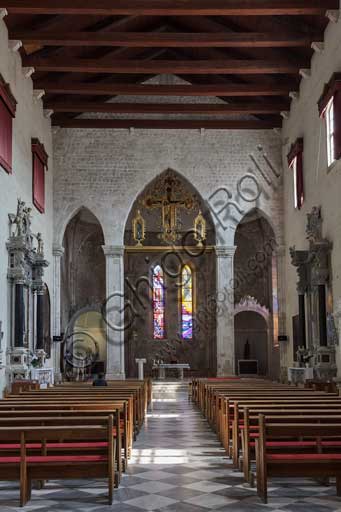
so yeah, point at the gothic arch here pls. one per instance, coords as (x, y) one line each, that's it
(69, 215)
(187, 184)
(258, 213)
(251, 304)
(199, 349)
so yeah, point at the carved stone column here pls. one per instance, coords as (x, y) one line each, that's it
(320, 249)
(113, 311)
(225, 310)
(300, 260)
(58, 252)
(320, 252)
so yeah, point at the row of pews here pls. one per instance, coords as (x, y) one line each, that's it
(287, 431)
(71, 431)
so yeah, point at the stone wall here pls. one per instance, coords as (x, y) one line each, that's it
(105, 170)
(322, 185)
(29, 122)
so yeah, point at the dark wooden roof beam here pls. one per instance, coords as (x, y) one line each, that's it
(169, 124)
(112, 89)
(199, 67)
(168, 108)
(172, 7)
(155, 39)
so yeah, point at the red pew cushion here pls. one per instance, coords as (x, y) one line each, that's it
(303, 456)
(37, 446)
(9, 460)
(66, 458)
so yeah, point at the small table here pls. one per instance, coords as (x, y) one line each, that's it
(164, 366)
(300, 375)
(140, 362)
(247, 367)
(45, 376)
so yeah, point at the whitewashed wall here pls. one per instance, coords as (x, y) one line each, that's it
(29, 122)
(322, 185)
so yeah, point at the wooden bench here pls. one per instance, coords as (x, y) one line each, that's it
(65, 407)
(76, 464)
(250, 431)
(232, 415)
(285, 463)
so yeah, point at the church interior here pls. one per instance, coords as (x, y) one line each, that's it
(170, 255)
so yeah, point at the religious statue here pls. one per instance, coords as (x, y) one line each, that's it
(314, 225)
(247, 350)
(303, 356)
(200, 229)
(40, 249)
(168, 194)
(18, 219)
(139, 229)
(332, 334)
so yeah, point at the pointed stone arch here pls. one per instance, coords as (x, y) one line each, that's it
(187, 184)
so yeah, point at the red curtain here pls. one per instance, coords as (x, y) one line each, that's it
(299, 180)
(38, 183)
(296, 152)
(5, 137)
(337, 124)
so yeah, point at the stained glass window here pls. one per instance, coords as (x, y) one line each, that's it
(158, 303)
(187, 303)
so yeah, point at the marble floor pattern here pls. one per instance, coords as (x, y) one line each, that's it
(179, 466)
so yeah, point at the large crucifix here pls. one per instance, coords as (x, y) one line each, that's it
(169, 207)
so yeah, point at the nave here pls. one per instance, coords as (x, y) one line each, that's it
(177, 465)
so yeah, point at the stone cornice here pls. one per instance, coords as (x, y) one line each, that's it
(225, 251)
(113, 250)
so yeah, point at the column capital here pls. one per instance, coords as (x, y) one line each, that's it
(280, 250)
(58, 250)
(113, 250)
(225, 251)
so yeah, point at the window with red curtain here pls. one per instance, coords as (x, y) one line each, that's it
(39, 163)
(295, 162)
(7, 113)
(330, 109)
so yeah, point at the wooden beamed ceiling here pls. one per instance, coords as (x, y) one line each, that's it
(241, 57)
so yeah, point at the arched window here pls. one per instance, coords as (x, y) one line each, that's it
(158, 304)
(186, 303)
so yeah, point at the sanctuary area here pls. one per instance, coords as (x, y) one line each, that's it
(170, 231)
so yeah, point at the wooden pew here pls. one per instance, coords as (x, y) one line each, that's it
(250, 429)
(86, 398)
(25, 468)
(47, 407)
(233, 413)
(315, 464)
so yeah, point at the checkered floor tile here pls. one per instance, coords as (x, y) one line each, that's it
(177, 465)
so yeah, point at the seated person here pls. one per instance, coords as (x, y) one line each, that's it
(100, 380)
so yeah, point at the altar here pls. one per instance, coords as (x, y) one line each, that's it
(162, 367)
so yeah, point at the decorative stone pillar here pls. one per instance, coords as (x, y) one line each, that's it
(300, 260)
(225, 310)
(58, 252)
(26, 264)
(113, 311)
(40, 321)
(320, 249)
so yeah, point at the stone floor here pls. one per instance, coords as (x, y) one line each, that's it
(177, 465)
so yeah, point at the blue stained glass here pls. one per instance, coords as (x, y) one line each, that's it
(187, 304)
(158, 304)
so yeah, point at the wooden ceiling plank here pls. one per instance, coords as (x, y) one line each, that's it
(168, 108)
(154, 39)
(164, 124)
(112, 89)
(172, 7)
(198, 67)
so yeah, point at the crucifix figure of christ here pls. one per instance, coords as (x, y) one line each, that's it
(170, 205)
